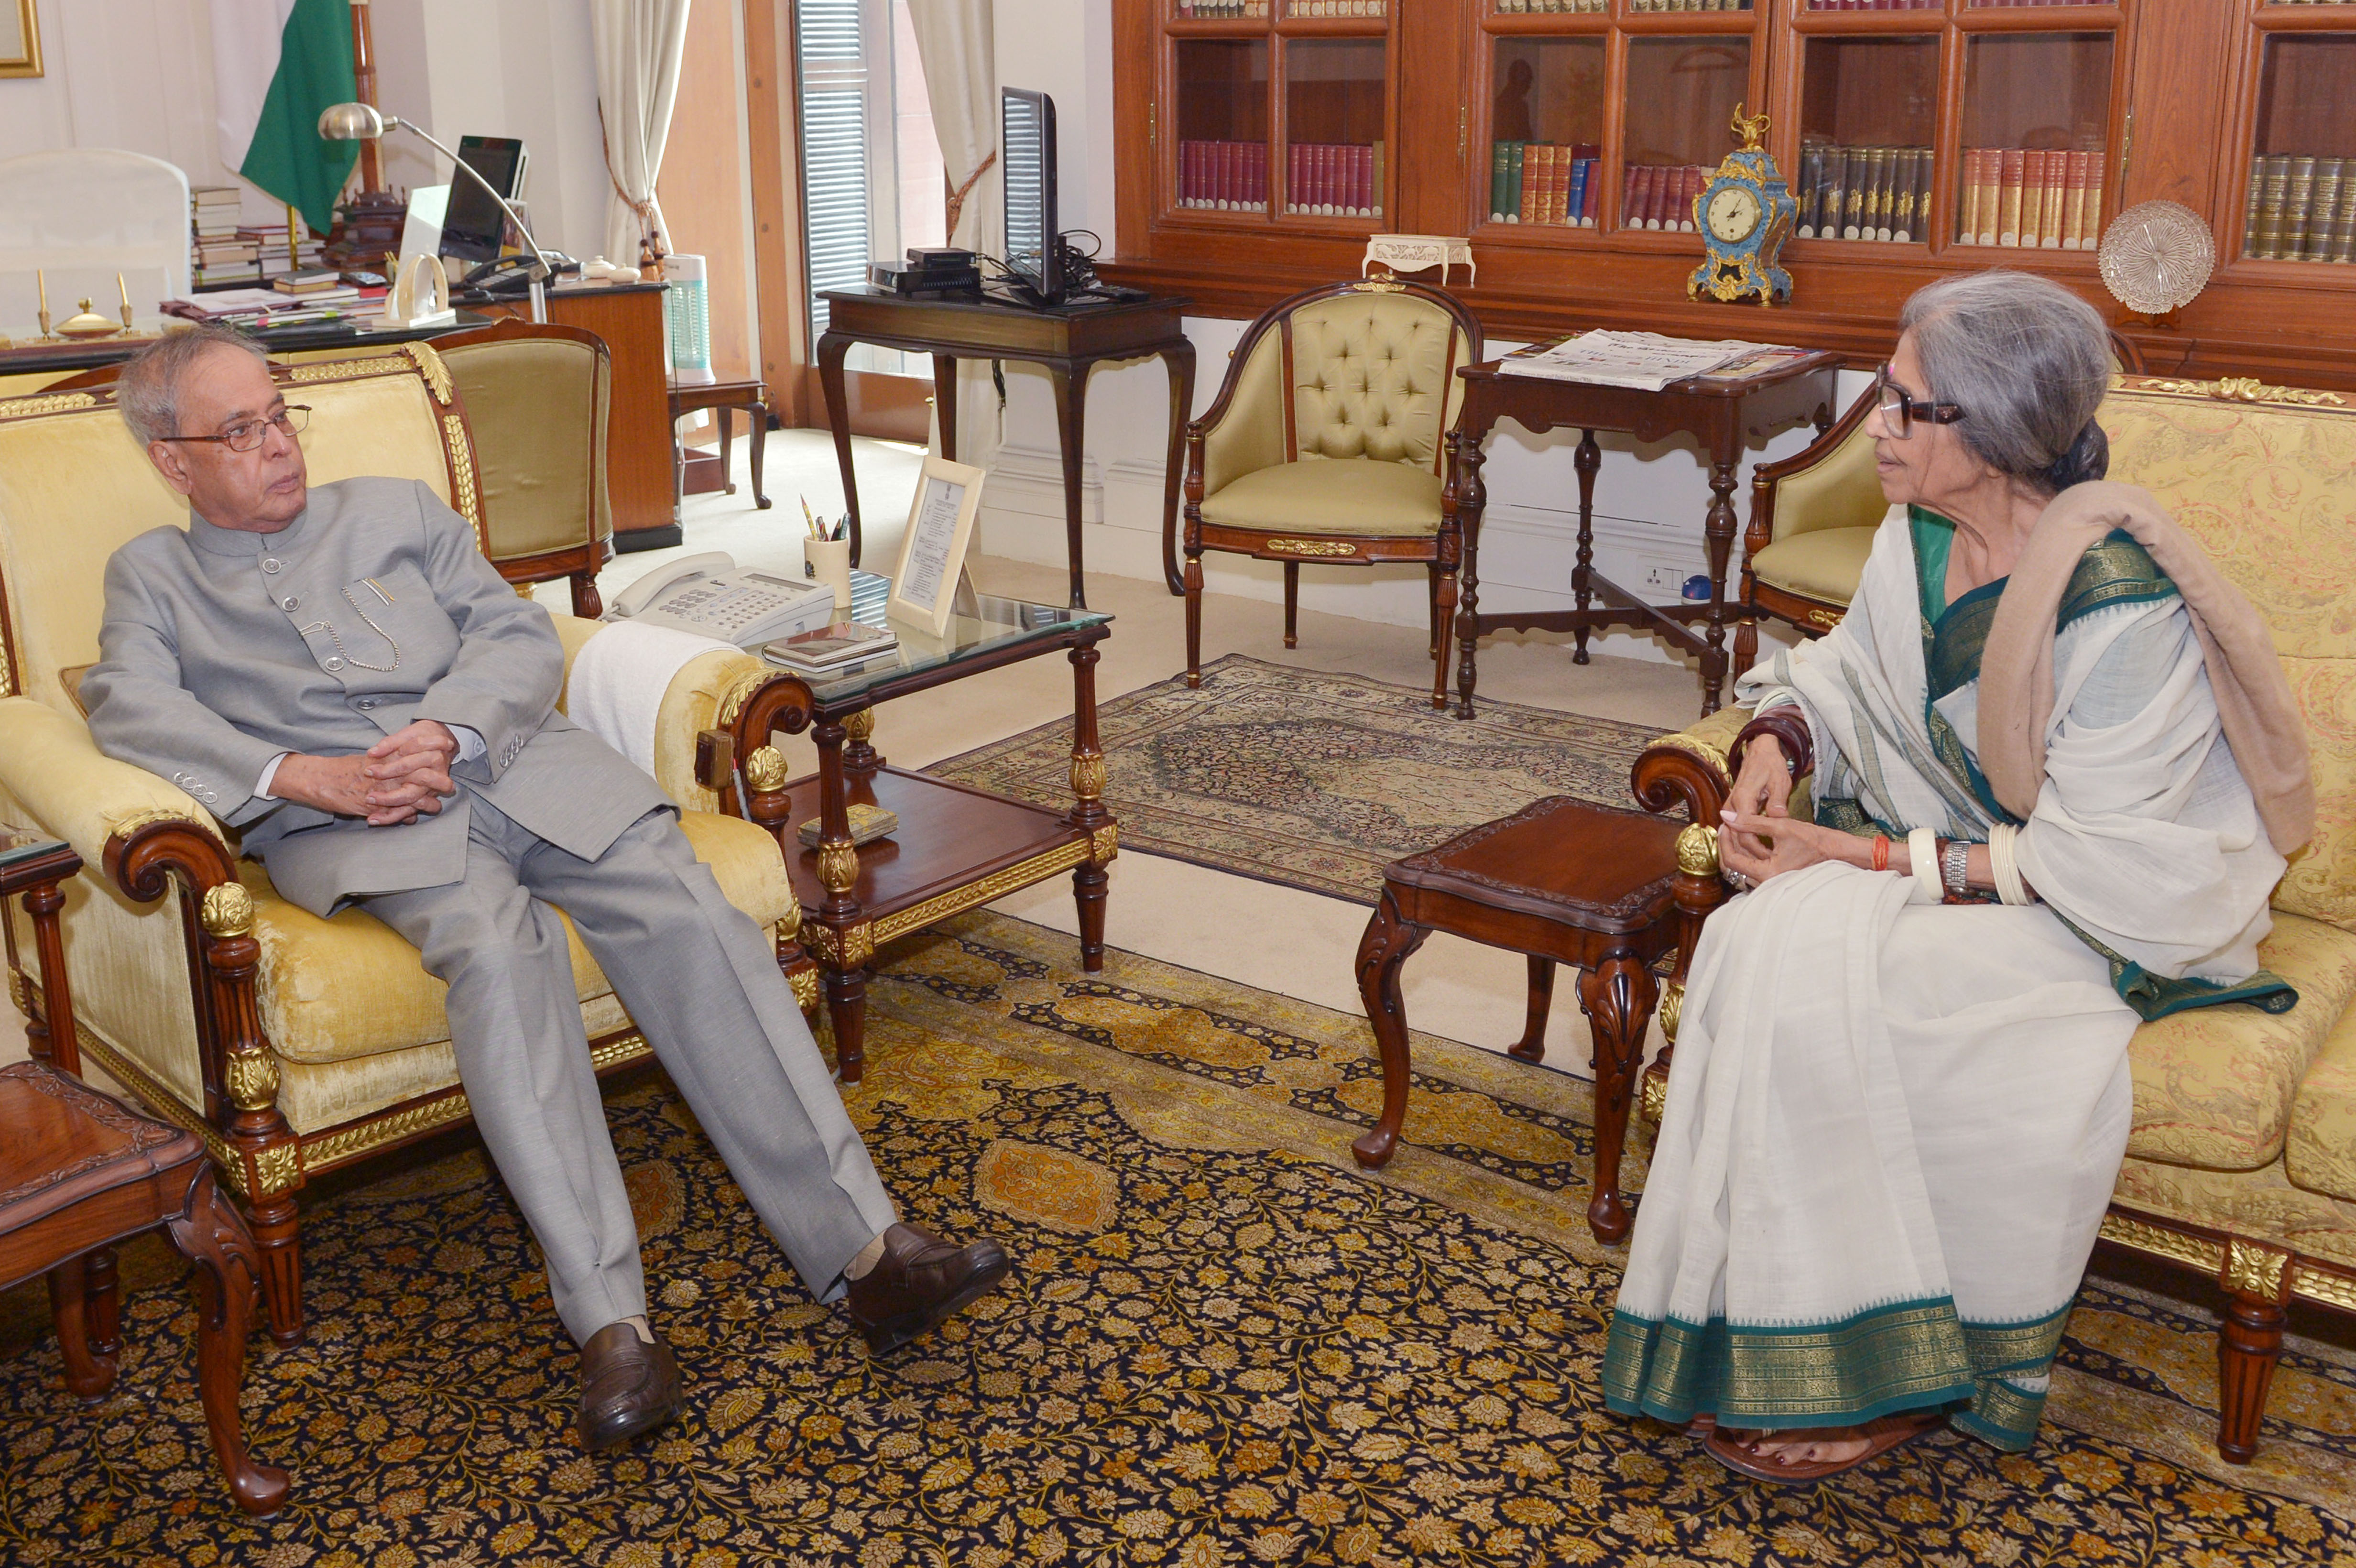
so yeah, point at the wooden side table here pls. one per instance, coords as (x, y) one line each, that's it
(722, 397)
(1561, 881)
(80, 1173)
(1718, 413)
(1069, 340)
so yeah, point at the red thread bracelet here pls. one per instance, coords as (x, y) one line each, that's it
(1881, 852)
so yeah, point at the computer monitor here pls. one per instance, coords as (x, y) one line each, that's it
(473, 225)
(1026, 151)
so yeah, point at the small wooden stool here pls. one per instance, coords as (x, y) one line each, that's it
(690, 397)
(1562, 881)
(80, 1172)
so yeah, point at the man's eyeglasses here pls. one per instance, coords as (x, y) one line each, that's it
(247, 435)
(1899, 412)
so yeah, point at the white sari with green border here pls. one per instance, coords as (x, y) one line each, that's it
(1893, 1125)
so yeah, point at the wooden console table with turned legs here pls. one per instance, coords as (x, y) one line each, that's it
(1718, 412)
(1611, 892)
(956, 848)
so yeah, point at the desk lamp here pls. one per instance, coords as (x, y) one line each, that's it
(363, 123)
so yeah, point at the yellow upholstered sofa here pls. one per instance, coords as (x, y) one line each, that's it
(292, 1044)
(2241, 1164)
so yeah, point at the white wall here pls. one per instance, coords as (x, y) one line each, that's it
(1649, 501)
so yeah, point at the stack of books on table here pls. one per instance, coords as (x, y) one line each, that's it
(1540, 182)
(267, 308)
(2300, 209)
(1332, 180)
(1660, 195)
(217, 251)
(1224, 176)
(830, 648)
(1879, 194)
(2031, 198)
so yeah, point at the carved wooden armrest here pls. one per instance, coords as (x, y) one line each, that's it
(1692, 768)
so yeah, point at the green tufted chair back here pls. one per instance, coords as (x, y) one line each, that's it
(1372, 375)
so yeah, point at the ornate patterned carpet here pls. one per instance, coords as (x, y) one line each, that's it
(1223, 1347)
(1314, 780)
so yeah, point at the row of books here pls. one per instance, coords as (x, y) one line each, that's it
(1333, 179)
(1301, 9)
(2031, 199)
(1223, 176)
(1554, 7)
(1221, 10)
(1689, 5)
(2301, 208)
(1884, 4)
(1537, 182)
(1660, 195)
(1879, 194)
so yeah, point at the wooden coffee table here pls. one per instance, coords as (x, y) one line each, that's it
(1612, 892)
(956, 848)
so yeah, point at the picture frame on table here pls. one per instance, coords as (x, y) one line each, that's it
(20, 38)
(933, 549)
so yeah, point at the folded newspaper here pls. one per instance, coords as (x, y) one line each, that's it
(1644, 360)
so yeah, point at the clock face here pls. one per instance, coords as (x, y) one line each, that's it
(1733, 213)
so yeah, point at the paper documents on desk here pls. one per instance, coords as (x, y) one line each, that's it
(1644, 360)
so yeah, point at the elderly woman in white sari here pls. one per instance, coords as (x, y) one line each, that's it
(2054, 770)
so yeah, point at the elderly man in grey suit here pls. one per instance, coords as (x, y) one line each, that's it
(339, 672)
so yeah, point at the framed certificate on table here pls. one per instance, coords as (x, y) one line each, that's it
(932, 551)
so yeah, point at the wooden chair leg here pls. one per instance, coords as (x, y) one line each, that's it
(1443, 613)
(1746, 644)
(1292, 603)
(1193, 616)
(1089, 886)
(1431, 594)
(276, 1236)
(1388, 944)
(2249, 1343)
(587, 603)
(88, 1372)
(846, 1010)
(210, 1235)
(1531, 1047)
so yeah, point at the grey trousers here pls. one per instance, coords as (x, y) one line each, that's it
(701, 981)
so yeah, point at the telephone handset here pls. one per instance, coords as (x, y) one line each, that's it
(708, 595)
(511, 275)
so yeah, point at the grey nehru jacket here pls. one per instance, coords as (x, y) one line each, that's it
(375, 607)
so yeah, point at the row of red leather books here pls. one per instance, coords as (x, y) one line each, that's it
(1333, 179)
(2031, 198)
(1660, 195)
(1224, 175)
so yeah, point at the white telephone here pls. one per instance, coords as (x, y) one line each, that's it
(708, 595)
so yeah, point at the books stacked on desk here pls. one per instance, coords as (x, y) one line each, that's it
(1879, 194)
(1644, 361)
(215, 249)
(1330, 179)
(1540, 182)
(2300, 209)
(830, 648)
(1224, 176)
(2031, 198)
(1660, 195)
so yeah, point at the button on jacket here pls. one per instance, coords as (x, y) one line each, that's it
(373, 608)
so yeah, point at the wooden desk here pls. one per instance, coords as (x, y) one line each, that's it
(1719, 415)
(1069, 340)
(638, 442)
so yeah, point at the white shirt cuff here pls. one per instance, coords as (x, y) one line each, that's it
(471, 744)
(269, 773)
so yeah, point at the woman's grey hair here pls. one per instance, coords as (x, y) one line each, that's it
(2027, 362)
(148, 393)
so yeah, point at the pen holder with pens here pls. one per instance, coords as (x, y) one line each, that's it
(829, 563)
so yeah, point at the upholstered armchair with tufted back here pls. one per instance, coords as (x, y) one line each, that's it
(1329, 444)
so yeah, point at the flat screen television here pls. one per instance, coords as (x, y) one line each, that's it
(1026, 151)
(473, 225)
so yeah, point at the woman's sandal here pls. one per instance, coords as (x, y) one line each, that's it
(1881, 1435)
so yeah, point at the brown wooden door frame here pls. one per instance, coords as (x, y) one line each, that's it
(894, 407)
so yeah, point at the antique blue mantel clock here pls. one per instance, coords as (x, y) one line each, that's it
(1745, 213)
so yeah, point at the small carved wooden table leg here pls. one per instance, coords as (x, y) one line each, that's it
(1388, 944)
(1531, 1047)
(1089, 879)
(846, 938)
(1617, 996)
(211, 1235)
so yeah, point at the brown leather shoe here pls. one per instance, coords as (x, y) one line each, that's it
(919, 1280)
(628, 1386)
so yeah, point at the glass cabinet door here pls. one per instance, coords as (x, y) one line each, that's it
(2035, 144)
(1680, 100)
(2301, 201)
(1869, 116)
(1545, 129)
(1223, 109)
(1335, 93)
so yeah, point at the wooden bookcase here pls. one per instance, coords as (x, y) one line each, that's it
(2167, 98)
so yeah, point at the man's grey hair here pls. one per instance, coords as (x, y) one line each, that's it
(2027, 362)
(148, 393)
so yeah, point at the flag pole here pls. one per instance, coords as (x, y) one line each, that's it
(293, 242)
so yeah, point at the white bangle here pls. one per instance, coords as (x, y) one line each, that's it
(1922, 851)
(2005, 860)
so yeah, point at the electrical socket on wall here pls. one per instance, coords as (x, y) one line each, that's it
(1666, 580)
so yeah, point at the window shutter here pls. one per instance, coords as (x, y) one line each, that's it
(834, 80)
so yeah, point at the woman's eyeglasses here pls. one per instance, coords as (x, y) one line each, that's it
(1899, 412)
(246, 436)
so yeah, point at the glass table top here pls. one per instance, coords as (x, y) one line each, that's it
(980, 625)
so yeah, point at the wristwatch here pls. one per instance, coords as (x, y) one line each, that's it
(1954, 870)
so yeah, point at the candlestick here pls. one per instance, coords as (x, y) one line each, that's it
(41, 278)
(126, 300)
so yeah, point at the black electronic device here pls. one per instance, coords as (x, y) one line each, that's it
(512, 274)
(1026, 153)
(912, 284)
(473, 226)
(939, 260)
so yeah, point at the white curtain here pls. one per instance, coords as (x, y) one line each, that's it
(954, 41)
(639, 43)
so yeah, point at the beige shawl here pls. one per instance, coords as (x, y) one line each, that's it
(2260, 718)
